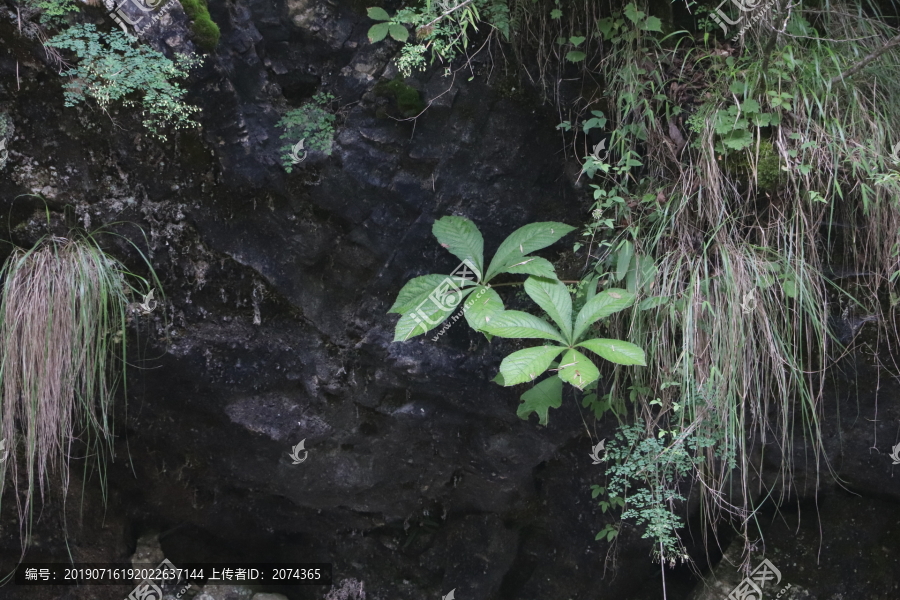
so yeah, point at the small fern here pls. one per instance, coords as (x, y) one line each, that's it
(112, 68)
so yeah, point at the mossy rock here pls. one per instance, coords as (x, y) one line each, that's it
(768, 169)
(408, 100)
(206, 32)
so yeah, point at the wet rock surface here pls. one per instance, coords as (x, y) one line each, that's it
(419, 477)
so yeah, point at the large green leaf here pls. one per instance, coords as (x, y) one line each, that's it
(526, 365)
(525, 240)
(398, 32)
(617, 351)
(378, 32)
(534, 265)
(626, 251)
(518, 324)
(553, 296)
(483, 304)
(602, 305)
(424, 317)
(541, 398)
(415, 291)
(462, 239)
(577, 369)
(377, 14)
(647, 269)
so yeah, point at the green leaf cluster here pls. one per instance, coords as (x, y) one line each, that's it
(425, 302)
(54, 12)
(313, 123)
(442, 28)
(113, 67)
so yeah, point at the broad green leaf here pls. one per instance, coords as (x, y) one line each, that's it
(738, 139)
(555, 13)
(517, 324)
(631, 276)
(577, 369)
(606, 26)
(428, 315)
(602, 305)
(633, 14)
(626, 251)
(378, 32)
(526, 365)
(647, 271)
(591, 287)
(415, 291)
(750, 105)
(652, 24)
(789, 285)
(553, 297)
(398, 32)
(653, 302)
(540, 399)
(575, 56)
(525, 240)
(617, 351)
(462, 239)
(534, 265)
(483, 304)
(377, 14)
(577, 40)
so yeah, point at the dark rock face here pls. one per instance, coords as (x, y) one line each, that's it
(420, 478)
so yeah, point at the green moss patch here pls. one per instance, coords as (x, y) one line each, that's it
(206, 32)
(408, 100)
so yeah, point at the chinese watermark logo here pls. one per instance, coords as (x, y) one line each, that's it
(744, 6)
(751, 587)
(295, 158)
(595, 455)
(149, 590)
(295, 452)
(140, 14)
(895, 455)
(446, 296)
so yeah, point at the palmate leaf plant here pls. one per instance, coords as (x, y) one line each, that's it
(574, 368)
(426, 301)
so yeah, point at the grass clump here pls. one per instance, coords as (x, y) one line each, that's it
(63, 311)
(206, 32)
(732, 185)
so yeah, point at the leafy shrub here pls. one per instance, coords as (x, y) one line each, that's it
(441, 27)
(54, 11)
(426, 302)
(112, 68)
(313, 123)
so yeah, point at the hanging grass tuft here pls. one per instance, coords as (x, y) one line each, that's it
(64, 308)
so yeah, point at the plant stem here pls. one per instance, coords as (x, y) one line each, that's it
(662, 568)
(522, 283)
(458, 6)
(856, 68)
